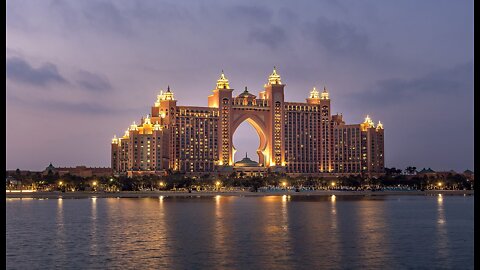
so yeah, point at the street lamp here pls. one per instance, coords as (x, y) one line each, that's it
(284, 184)
(439, 184)
(217, 184)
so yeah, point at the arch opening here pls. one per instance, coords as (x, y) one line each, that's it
(250, 143)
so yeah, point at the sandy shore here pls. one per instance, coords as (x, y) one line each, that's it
(146, 194)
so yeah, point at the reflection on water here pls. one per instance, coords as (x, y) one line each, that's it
(442, 237)
(372, 229)
(226, 232)
(60, 232)
(222, 231)
(93, 228)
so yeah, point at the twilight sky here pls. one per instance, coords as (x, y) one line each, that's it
(79, 72)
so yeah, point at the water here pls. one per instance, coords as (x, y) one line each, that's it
(227, 232)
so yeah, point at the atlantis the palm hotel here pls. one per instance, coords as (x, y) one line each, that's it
(296, 138)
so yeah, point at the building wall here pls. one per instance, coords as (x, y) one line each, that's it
(302, 137)
(295, 137)
(357, 148)
(195, 141)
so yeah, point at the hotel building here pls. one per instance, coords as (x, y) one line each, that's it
(295, 137)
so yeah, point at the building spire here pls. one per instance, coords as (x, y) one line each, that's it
(369, 121)
(274, 78)
(222, 83)
(379, 125)
(314, 93)
(324, 94)
(165, 96)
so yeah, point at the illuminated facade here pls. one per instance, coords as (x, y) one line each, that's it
(295, 138)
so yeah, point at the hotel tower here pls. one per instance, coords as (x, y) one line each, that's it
(295, 137)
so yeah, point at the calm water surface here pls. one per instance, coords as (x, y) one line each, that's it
(227, 232)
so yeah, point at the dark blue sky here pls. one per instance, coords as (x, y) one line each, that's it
(80, 71)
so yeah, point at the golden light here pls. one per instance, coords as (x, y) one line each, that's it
(333, 198)
(333, 184)
(284, 184)
(217, 183)
(22, 191)
(439, 184)
(162, 184)
(94, 183)
(60, 183)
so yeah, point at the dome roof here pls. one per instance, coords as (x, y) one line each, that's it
(246, 162)
(246, 94)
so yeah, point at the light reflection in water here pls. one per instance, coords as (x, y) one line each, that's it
(442, 237)
(373, 231)
(275, 227)
(93, 228)
(60, 239)
(334, 212)
(171, 233)
(334, 245)
(161, 236)
(221, 238)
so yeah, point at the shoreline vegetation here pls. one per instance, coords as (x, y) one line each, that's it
(152, 194)
(54, 185)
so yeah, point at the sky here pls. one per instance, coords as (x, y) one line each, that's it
(79, 72)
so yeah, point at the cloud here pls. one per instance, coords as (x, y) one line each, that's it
(93, 81)
(250, 14)
(456, 81)
(337, 37)
(80, 107)
(21, 71)
(272, 37)
(106, 16)
(76, 108)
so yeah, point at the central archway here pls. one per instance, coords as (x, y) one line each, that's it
(245, 141)
(259, 127)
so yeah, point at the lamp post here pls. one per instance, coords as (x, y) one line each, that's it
(217, 184)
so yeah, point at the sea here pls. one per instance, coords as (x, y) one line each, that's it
(242, 232)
